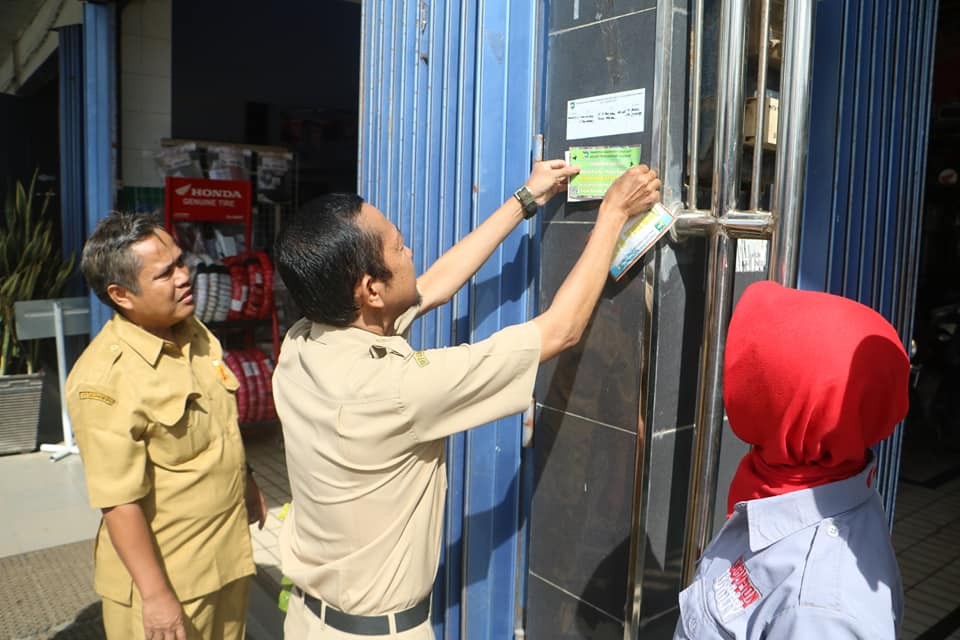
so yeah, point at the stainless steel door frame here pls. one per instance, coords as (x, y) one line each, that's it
(723, 222)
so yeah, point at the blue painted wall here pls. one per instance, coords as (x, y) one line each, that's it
(446, 128)
(99, 81)
(866, 163)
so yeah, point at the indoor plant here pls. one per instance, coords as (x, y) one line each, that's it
(30, 268)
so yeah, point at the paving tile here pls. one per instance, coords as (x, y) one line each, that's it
(269, 539)
(904, 541)
(923, 592)
(273, 524)
(951, 487)
(939, 516)
(916, 527)
(946, 540)
(911, 497)
(911, 578)
(922, 621)
(919, 560)
(927, 556)
(265, 557)
(930, 610)
(42, 529)
(273, 572)
(951, 569)
(943, 583)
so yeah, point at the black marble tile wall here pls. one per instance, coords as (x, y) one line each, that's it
(602, 57)
(588, 398)
(582, 508)
(572, 14)
(558, 616)
(679, 309)
(664, 523)
(599, 378)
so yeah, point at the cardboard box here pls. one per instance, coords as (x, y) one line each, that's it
(771, 110)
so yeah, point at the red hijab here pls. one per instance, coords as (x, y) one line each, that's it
(811, 380)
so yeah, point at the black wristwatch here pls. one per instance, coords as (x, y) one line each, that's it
(527, 201)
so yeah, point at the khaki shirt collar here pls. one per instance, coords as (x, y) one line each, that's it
(378, 346)
(147, 345)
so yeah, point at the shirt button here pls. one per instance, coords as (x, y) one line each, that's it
(114, 347)
(832, 531)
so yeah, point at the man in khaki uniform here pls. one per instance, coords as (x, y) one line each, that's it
(365, 416)
(155, 415)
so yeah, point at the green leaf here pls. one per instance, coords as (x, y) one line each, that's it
(31, 266)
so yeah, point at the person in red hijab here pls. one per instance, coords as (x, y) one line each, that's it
(811, 382)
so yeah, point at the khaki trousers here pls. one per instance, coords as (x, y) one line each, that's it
(302, 624)
(221, 615)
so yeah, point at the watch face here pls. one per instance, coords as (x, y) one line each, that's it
(527, 201)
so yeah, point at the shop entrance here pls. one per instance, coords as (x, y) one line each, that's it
(272, 74)
(928, 500)
(932, 439)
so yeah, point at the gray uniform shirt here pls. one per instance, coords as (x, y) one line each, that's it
(816, 563)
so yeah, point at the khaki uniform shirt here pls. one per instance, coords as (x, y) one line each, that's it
(156, 423)
(364, 421)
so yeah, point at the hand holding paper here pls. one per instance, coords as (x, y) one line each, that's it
(634, 192)
(549, 177)
(599, 167)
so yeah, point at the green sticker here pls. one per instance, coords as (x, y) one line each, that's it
(599, 167)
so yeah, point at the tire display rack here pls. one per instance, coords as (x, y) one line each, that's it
(223, 213)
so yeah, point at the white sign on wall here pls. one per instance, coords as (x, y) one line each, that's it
(752, 255)
(605, 115)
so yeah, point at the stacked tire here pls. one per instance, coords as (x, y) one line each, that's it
(238, 288)
(254, 371)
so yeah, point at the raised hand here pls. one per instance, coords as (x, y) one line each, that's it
(634, 192)
(549, 177)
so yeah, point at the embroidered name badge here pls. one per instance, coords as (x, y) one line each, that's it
(734, 591)
(421, 358)
(96, 395)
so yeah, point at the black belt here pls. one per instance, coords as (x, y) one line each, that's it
(367, 625)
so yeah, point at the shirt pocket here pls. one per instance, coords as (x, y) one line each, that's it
(179, 431)
(695, 621)
(225, 402)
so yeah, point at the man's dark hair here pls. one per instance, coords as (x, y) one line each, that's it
(322, 252)
(106, 257)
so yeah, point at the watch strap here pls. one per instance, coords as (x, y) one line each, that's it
(527, 201)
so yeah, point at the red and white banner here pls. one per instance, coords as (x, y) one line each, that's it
(202, 200)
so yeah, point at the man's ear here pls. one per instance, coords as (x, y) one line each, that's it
(368, 292)
(120, 295)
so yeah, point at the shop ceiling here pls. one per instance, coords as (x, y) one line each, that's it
(15, 15)
(27, 38)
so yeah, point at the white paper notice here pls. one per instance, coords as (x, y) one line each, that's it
(752, 255)
(607, 115)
